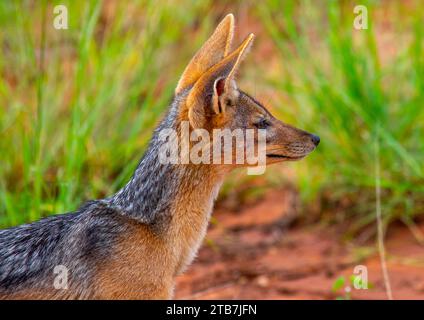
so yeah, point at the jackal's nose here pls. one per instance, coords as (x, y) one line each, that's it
(315, 139)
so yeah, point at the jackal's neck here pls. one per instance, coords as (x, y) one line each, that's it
(157, 191)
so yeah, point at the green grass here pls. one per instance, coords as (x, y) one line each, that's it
(74, 124)
(342, 88)
(77, 106)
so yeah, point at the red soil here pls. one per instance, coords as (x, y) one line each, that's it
(255, 254)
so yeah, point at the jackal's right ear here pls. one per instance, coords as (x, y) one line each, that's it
(214, 49)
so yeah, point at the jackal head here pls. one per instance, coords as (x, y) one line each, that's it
(214, 101)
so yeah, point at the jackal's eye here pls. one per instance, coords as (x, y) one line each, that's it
(262, 124)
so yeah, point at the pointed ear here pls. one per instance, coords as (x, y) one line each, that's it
(205, 97)
(214, 49)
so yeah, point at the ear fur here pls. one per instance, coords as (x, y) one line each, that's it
(214, 49)
(205, 91)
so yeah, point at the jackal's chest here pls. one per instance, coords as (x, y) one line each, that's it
(191, 223)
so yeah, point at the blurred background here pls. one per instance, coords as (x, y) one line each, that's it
(78, 106)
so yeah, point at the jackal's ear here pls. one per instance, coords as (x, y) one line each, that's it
(205, 98)
(214, 49)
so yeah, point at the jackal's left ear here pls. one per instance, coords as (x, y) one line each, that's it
(205, 98)
(214, 49)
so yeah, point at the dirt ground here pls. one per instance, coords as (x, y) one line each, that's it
(256, 253)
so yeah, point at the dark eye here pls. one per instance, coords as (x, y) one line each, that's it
(262, 124)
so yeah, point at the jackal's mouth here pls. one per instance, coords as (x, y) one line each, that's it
(280, 156)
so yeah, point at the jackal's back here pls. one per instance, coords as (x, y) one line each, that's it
(76, 241)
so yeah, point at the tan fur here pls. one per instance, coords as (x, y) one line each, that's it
(139, 268)
(144, 263)
(214, 49)
(225, 69)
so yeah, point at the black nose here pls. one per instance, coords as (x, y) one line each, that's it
(315, 139)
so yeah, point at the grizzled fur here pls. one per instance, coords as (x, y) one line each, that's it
(30, 252)
(146, 196)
